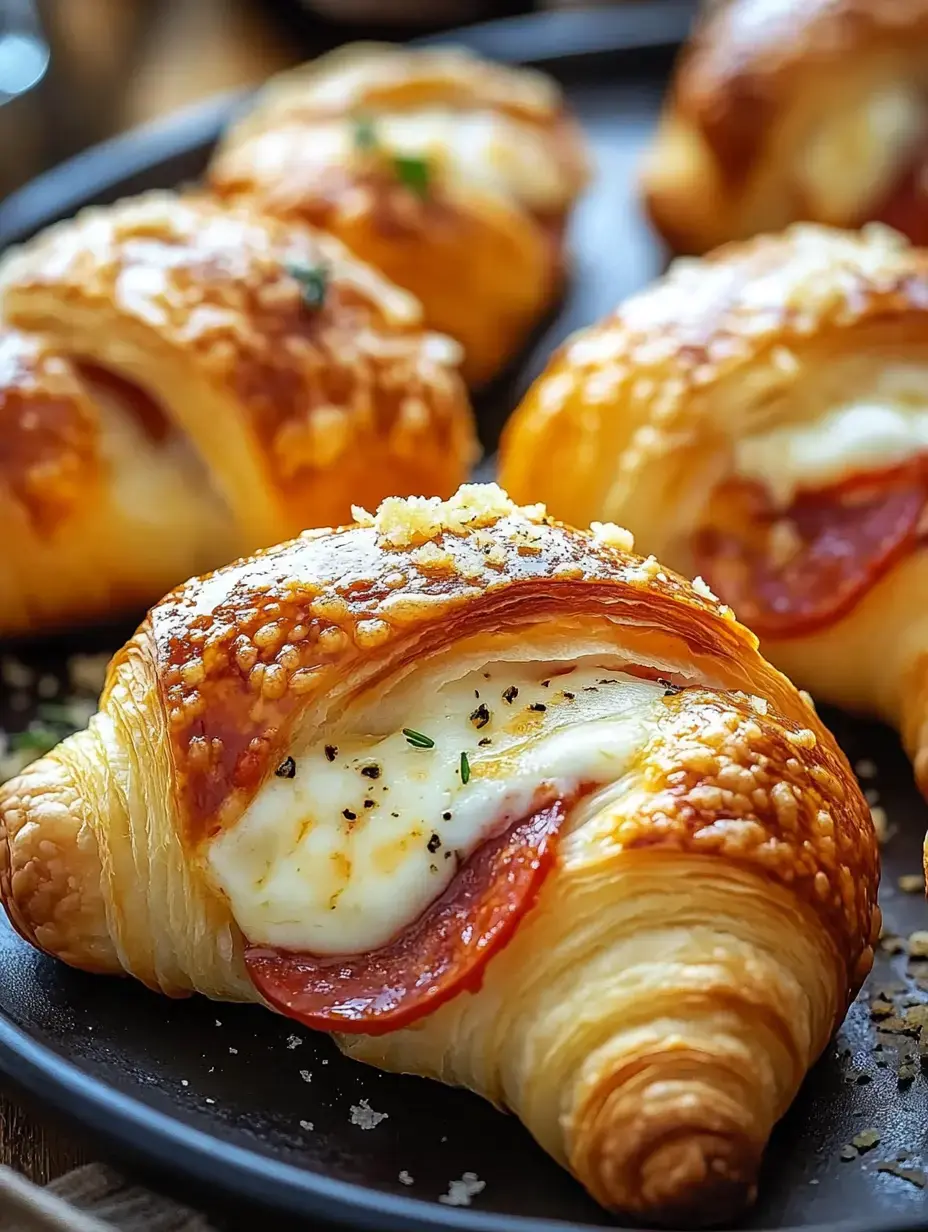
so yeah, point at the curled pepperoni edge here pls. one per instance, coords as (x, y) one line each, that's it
(907, 478)
(444, 952)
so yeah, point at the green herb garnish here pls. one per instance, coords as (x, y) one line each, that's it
(417, 740)
(365, 134)
(465, 768)
(314, 283)
(413, 173)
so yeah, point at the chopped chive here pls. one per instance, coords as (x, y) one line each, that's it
(412, 173)
(365, 133)
(465, 769)
(417, 740)
(314, 283)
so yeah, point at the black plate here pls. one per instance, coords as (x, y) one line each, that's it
(216, 1099)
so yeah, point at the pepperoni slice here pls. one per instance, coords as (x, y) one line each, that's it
(443, 953)
(905, 206)
(791, 573)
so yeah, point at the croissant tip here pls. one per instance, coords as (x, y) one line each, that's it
(697, 1181)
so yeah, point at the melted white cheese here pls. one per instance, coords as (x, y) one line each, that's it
(847, 440)
(854, 159)
(334, 860)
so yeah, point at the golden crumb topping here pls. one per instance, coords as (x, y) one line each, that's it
(404, 523)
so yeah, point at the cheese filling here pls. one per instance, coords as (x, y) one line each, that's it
(860, 436)
(355, 835)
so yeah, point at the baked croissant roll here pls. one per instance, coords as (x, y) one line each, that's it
(760, 418)
(453, 175)
(494, 801)
(182, 382)
(811, 110)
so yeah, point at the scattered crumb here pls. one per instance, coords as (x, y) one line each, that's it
(866, 1140)
(293, 1041)
(306, 1075)
(184, 1082)
(865, 768)
(218, 1023)
(891, 944)
(405, 1178)
(209, 1101)
(15, 675)
(364, 1116)
(307, 1125)
(880, 823)
(87, 672)
(915, 1176)
(234, 1051)
(912, 883)
(460, 1192)
(918, 944)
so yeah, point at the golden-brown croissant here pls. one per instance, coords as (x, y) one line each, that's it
(495, 801)
(451, 174)
(810, 110)
(182, 382)
(760, 418)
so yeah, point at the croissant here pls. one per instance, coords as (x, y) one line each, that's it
(182, 381)
(760, 418)
(496, 802)
(453, 175)
(808, 110)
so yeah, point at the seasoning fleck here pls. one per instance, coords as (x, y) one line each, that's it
(484, 742)
(446, 816)
(286, 769)
(293, 1041)
(510, 694)
(372, 771)
(306, 1075)
(538, 707)
(307, 1125)
(481, 716)
(405, 1179)
(433, 844)
(331, 752)
(349, 815)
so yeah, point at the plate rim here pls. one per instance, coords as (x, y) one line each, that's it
(130, 1128)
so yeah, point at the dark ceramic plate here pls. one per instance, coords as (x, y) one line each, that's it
(242, 1110)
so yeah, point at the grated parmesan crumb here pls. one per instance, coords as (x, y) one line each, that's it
(308, 1125)
(405, 1179)
(364, 1116)
(460, 1192)
(408, 522)
(293, 1041)
(758, 704)
(803, 739)
(613, 536)
(702, 587)
(306, 1075)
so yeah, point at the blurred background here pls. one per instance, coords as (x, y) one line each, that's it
(73, 72)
